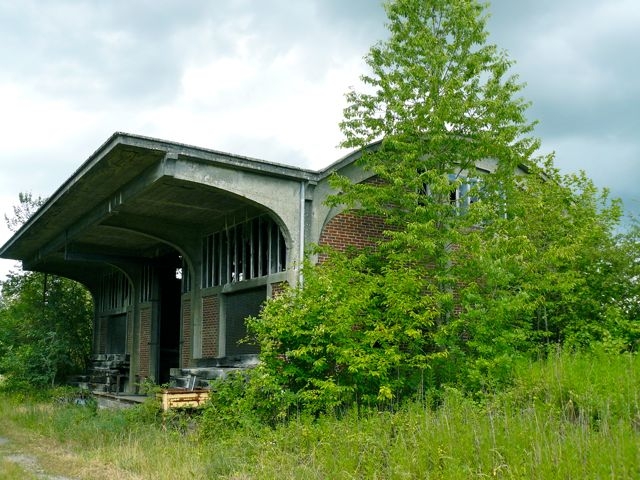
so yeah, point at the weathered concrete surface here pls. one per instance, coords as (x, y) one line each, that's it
(110, 401)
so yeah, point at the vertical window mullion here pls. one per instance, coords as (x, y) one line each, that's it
(229, 254)
(234, 246)
(211, 261)
(243, 252)
(218, 259)
(272, 252)
(251, 252)
(215, 264)
(259, 245)
(277, 236)
(264, 241)
(203, 276)
(282, 252)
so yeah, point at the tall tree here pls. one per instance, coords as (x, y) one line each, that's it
(45, 320)
(474, 269)
(440, 100)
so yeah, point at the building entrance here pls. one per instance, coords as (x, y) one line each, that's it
(169, 282)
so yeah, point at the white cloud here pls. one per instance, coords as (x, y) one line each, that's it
(40, 122)
(267, 79)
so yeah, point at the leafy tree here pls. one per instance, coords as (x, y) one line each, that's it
(45, 321)
(474, 270)
(552, 272)
(27, 206)
(439, 101)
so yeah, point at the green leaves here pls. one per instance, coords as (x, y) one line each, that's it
(489, 253)
(45, 328)
(45, 321)
(345, 336)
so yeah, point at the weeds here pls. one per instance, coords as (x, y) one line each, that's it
(567, 416)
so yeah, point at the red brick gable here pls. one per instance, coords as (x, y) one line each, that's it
(349, 229)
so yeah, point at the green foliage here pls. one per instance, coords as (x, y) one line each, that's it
(459, 289)
(248, 400)
(441, 102)
(553, 271)
(148, 412)
(45, 329)
(348, 336)
(45, 323)
(568, 415)
(596, 388)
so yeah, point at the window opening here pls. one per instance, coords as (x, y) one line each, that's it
(115, 292)
(146, 283)
(251, 249)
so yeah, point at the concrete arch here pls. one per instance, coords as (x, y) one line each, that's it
(280, 195)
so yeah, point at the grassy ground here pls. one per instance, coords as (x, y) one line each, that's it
(574, 416)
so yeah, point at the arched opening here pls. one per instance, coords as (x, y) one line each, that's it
(169, 277)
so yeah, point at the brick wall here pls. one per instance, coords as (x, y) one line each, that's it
(145, 340)
(348, 229)
(186, 332)
(277, 288)
(210, 325)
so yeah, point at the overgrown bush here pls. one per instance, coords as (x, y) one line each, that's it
(347, 337)
(477, 267)
(245, 400)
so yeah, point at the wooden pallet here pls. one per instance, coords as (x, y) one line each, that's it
(181, 398)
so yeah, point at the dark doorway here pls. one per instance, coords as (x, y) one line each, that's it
(239, 306)
(169, 324)
(117, 334)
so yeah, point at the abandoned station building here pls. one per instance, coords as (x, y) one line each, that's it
(178, 245)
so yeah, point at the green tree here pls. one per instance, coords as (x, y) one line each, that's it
(45, 321)
(553, 271)
(474, 269)
(26, 207)
(439, 101)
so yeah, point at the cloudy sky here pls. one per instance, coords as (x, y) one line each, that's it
(266, 78)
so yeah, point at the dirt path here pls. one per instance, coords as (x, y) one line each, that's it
(28, 463)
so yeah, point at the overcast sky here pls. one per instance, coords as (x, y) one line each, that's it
(266, 78)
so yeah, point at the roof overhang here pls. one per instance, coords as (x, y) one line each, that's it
(119, 205)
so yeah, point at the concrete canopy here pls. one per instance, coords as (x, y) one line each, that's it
(136, 197)
(139, 209)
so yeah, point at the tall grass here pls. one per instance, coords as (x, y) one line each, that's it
(11, 470)
(569, 416)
